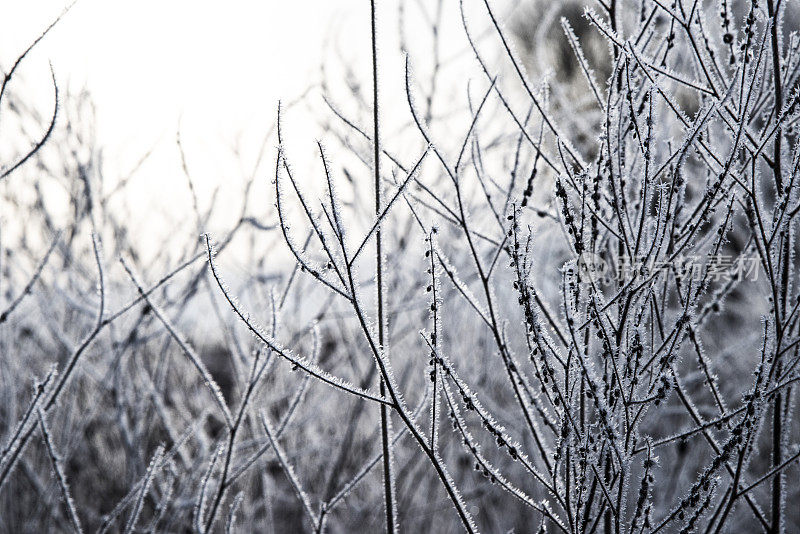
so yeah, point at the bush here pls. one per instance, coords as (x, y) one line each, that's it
(567, 306)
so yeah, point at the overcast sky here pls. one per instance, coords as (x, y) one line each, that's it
(215, 71)
(215, 68)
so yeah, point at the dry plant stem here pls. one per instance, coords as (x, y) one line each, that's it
(66, 373)
(449, 485)
(3, 87)
(39, 144)
(40, 388)
(7, 76)
(50, 396)
(560, 378)
(388, 472)
(193, 357)
(287, 469)
(27, 289)
(301, 363)
(777, 406)
(59, 470)
(513, 377)
(394, 397)
(148, 479)
(109, 519)
(233, 430)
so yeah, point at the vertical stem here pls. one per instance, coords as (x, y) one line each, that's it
(776, 75)
(435, 28)
(777, 426)
(388, 482)
(607, 515)
(777, 458)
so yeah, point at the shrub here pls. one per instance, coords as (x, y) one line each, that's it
(568, 306)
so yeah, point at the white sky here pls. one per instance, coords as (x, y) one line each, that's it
(216, 69)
